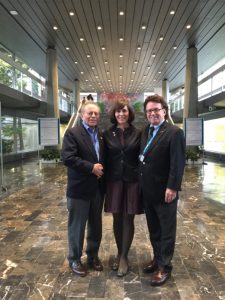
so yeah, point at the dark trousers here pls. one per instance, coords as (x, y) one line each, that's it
(162, 223)
(80, 213)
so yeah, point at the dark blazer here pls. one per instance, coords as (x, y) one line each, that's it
(78, 154)
(122, 160)
(164, 162)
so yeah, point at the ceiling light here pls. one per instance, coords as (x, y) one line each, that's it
(143, 27)
(133, 72)
(121, 55)
(81, 72)
(76, 62)
(139, 47)
(153, 55)
(136, 61)
(121, 39)
(81, 39)
(159, 72)
(71, 13)
(148, 67)
(175, 47)
(172, 12)
(109, 80)
(103, 48)
(93, 68)
(121, 67)
(88, 55)
(86, 80)
(96, 76)
(55, 27)
(67, 48)
(166, 61)
(161, 38)
(107, 72)
(188, 26)
(13, 12)
(105, 61)
(121, 13)
(132, 80)
(99, 27)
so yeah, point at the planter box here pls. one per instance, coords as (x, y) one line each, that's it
(49, 161)
(199, 161)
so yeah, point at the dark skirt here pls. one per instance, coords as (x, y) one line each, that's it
(123, 197)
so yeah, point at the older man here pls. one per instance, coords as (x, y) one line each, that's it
(82, 153)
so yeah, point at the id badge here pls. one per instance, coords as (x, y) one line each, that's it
(141, 157)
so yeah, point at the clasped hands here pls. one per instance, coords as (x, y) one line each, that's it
(98, 170)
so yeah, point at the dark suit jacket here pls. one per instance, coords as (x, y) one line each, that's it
(78, 154)
(122, 160)
(164, 162)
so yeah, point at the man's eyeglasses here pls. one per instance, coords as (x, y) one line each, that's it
(155, 110)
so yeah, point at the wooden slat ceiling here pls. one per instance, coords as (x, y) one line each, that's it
(31, 32)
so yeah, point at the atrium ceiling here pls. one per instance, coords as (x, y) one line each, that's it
(126, 46)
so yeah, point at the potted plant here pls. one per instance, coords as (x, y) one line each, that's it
(50, 155)
(193, 155)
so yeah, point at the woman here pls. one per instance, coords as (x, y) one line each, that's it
(122, 142)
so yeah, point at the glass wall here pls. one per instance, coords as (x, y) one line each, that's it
(65, 101)
(214, 135)
(19, 135)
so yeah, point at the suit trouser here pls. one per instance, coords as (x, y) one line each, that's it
(81, 212)
(162, 223)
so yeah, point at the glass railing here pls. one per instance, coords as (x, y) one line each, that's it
(21, 80)
(209, 86)
(15, 74)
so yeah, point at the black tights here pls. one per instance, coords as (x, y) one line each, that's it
(123, 227)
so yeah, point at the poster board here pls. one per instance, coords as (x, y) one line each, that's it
(48, 131)
(193, 129)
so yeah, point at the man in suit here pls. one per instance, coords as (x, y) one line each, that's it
(82, 153)
(162, 161)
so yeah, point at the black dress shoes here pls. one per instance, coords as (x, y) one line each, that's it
(151, 267)
(95, 263)
(78, 268)
(159, 278)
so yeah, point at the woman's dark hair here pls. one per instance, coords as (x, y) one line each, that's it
(157, 99)
(89, 97)
(118, 105)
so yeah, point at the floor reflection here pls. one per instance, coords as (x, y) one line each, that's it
(33, 241)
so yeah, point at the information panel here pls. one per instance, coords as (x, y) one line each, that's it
(193, 128)
(48, 131)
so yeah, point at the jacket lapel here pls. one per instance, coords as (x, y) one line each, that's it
(158, 136)
(100, 139)
(87, 140)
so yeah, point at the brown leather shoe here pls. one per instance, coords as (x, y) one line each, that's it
(151, 267)
(95, 263)
(78, 268)
(159, 278)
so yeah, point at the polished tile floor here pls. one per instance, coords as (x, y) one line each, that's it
(33, 241)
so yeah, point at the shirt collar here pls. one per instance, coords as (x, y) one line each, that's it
(88, 128)
(157, 126)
